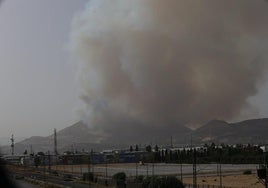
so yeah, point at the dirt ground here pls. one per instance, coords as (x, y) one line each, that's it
(228, 179)
(234, 181)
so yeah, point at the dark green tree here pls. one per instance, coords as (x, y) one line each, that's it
(37, 161)
(40, 153)
(156, 148)
(136, 148)
(120, 179)
(25, 152)
(148, 148)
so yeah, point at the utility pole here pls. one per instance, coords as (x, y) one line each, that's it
(194, 164)
(72, 159)
(31, 149)
(147, 170)
(106, 170)
(88, 168)
(171, 142)
(49, 162)
(44, 168)
(55, 142)
(153, 173)
(194, 169)
(181, 171)
(220, 177)
(152, 179)
(220, 168)
(153, 169)
(55, 148)
(92, 162)
(262, 171)
(265, 166)
(12, 145)
(136, 169)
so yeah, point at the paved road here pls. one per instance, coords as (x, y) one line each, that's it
(55, 180)
(23, 184)
(160, 168)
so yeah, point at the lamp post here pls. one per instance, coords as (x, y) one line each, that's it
(147, 169)
(220, 177)
(92, 162)
(262, 171)
(88, 168)
(136, 169)
(49, 162)
(181, 170)
(44, 168)
(72, 159)
(220, 151)
(265, 166)
(106, 171)
(194, 169)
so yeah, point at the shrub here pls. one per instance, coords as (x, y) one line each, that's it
(19, 177)
(162, 182)
(119, 176)
(139, 179)
(247, 172)
(88, 176)
(120, 179)
(55, 173)
(170, 182)
(146, 181)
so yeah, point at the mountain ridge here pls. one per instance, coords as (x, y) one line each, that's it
(80, 136)
(247, 131)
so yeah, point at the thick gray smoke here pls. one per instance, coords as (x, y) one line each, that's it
(153, 64)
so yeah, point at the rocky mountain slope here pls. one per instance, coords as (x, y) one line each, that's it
(249, 131)
(79, 136)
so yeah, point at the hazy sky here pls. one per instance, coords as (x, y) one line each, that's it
(37, 76)
(38, 88)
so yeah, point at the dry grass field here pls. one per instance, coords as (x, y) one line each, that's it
(234, 181)
(206, 176)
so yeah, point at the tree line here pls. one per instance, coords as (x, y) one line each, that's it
(238, 154)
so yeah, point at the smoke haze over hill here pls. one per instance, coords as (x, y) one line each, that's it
(151, 64)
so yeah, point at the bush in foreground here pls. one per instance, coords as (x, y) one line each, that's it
(88, 176)
(247, 172)
(120, 179)
(162, 182)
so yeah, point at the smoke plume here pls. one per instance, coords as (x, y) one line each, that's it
(147, 66)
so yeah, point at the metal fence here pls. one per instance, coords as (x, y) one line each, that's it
(208, 186)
